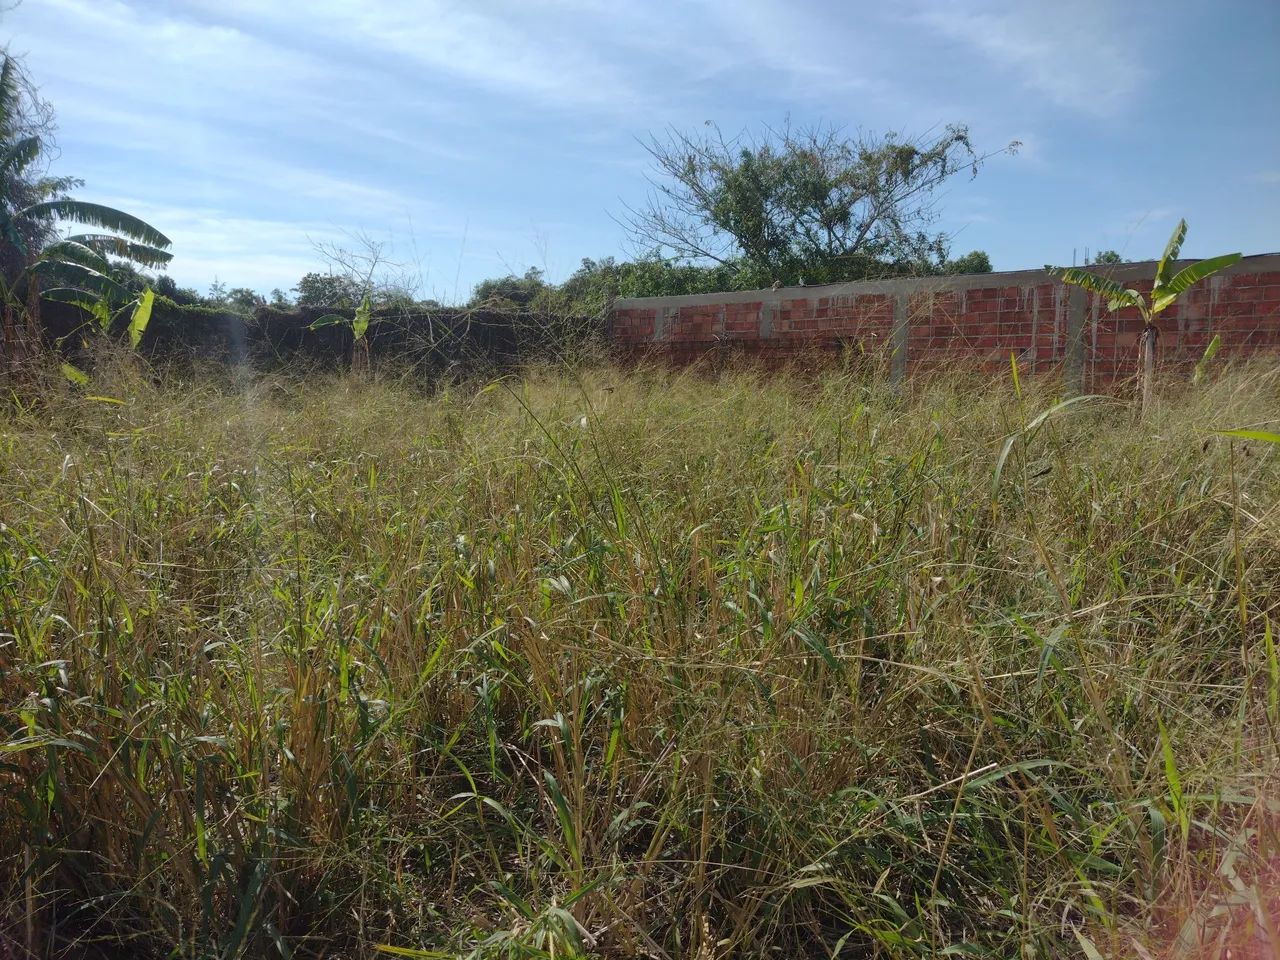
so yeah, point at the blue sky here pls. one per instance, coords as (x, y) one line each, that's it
(480, 137)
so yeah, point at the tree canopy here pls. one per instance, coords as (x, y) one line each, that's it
(1108, 257)
(510, 291)
(809, 205)
(326, 290)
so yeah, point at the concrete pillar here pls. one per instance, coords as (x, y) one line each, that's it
(1077, 299)
(766, 320)
(898, 340)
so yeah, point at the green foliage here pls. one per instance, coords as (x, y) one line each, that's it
(166, 286)
(1166, 294)
(590, 288)
(93, 269)
(244, 299)
(358, 322)
(106, 316)
(1118, 296)
(595, 284)
(1165, 291)
(1266, 436)
(217, 295)
(238, 299)
(326, 290)
(511, 292)
(975, 261)
(1108, 258)
(75, 375)
(808, 206)
(150, 240)
(140, 318)
(1202, 365)
(1166, 288)
(1171, 251)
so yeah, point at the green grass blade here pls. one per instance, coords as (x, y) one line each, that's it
(1173, 779)
(1007, 447)
(1266, 436)
(1211, 351)
(75, 375)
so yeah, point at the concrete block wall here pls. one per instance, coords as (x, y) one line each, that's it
(913, 324)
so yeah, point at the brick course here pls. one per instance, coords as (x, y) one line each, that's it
(979, 319)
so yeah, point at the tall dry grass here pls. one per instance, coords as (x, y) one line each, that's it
(637, 664)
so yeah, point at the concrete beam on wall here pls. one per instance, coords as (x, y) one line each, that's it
(1125, 272)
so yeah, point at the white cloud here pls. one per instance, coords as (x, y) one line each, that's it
(243, 251)
(1063, 50)
(510, 49)
(1141, 233)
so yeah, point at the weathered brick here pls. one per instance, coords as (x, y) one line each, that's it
(981, 326)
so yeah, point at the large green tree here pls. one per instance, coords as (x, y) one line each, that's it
(511, 292)
(1106, 257)
(802, 205)
(326, 290)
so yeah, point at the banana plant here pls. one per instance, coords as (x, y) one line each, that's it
(105, 317)
(1165, 291)
(33, 205)
(359, 324)
(76, 270)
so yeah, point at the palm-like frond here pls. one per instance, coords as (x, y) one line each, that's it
(98, 215)
(69, 273)
(1171, 251)
(73, 295)
(8, 98)
(1117, 295)
(110, 245)
(19, 156)
(74, 250)
(1188, 276)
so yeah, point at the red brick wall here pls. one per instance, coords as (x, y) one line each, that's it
(979, 319)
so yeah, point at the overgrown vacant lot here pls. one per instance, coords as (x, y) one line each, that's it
(638, 665)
